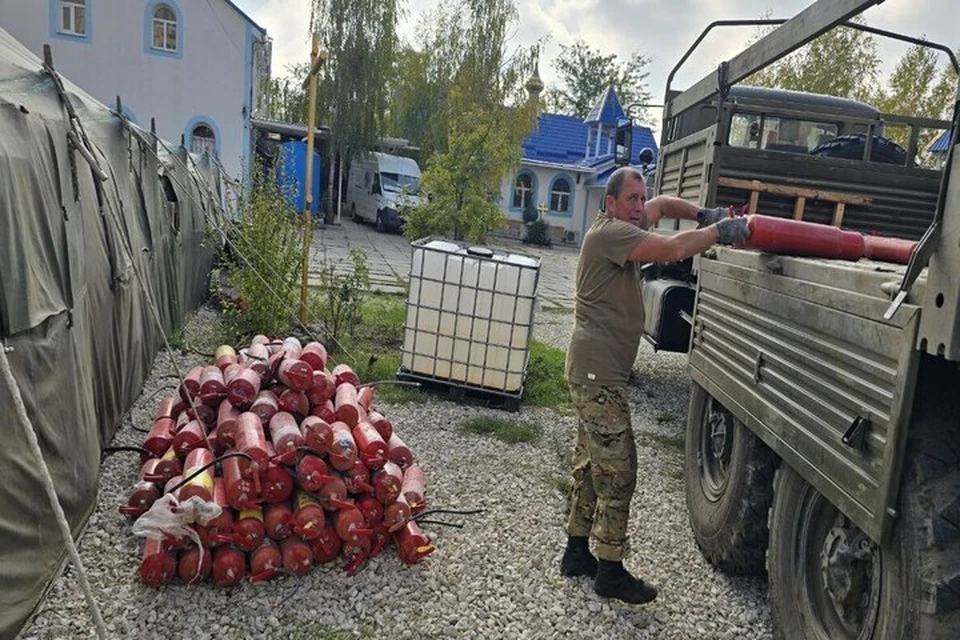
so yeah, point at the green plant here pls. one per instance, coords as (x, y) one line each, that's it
(263, 256)
(385, 368)
(538, 232)
(509, 431)
(530, 213)
(341, 293)
(546, 385)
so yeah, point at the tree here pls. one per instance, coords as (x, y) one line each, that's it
(585, 73)
(360, 37)
(918, 87)
(284, 99)
(478, 125)
(842, 62)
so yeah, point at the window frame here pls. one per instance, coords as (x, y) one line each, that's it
(148, 29)
(532, 191)
(205, 121)
(568, 213)
(57, 29)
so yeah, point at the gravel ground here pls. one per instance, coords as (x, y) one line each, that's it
(496, 577)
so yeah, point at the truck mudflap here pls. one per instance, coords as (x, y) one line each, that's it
(799, 351)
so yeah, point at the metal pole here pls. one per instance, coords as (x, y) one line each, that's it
(339, 186)
(316, 59)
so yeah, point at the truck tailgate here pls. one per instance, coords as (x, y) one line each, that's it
(799, 351)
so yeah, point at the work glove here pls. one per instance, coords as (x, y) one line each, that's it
(733, 231)
(707, 217)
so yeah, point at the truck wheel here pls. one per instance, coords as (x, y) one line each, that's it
(729, 486)
(828, 580)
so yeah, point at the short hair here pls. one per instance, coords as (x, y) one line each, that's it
(615, 183)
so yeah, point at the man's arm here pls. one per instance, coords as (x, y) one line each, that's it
(680, 246)
(670, 207)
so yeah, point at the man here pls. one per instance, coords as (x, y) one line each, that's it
(606, 333)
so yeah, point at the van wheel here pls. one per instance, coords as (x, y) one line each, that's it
(830, 581)
(380, 227)
(729, 486)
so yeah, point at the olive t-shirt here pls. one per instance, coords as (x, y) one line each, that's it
(608, 309)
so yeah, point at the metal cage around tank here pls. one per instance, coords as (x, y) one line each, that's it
(469, 318)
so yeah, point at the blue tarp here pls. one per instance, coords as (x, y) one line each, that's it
(291, 175)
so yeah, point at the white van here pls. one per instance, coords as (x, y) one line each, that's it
(378, 186)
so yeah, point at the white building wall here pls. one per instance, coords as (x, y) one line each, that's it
(585, 202)
(210, 79)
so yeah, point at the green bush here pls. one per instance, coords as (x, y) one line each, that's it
(340, 297)
(263, 259)
(538, 232)
(530, 213)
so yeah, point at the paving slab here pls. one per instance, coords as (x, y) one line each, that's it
(388, 258)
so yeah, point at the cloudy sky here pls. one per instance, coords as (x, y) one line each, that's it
(660, 29)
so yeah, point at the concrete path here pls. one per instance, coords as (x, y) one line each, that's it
(388, 257)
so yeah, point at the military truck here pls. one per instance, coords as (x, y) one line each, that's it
(823, 431)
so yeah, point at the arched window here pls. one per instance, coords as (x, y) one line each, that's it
(164, 28)
(203, 140)
(560, 196)
(522, 191)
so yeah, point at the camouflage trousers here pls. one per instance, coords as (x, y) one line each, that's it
(604, 469)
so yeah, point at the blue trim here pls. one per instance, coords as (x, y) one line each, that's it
(192, 124)
(248, 105)
(570, 182)
(534, 187)
(87, 23)
(131, 114)
(148, 30)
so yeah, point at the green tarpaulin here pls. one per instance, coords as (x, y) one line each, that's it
(74, 317)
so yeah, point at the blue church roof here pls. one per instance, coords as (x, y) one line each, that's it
(941, 144)
(607, 109)
(562, 139)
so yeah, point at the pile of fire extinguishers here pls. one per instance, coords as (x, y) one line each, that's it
(268, 462)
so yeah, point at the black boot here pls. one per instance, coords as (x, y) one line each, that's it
(613, 581)
(577, 559)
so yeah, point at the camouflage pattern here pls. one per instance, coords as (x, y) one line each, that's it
(604, 469)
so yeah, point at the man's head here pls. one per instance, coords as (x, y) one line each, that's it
(626, 196)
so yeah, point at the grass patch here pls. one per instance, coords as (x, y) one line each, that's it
(669, 442)
(665, 417)
(316, 631)
(385, 368)
(509, 431)
(374, 349)
(545, 385)
(563, 484)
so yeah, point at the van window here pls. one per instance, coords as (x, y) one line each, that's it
(753, 131)
(399, 182)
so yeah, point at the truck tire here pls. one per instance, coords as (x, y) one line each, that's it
(852, 146)
(830, 581)
(729, 485)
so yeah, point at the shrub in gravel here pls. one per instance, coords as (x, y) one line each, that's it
(264, 258)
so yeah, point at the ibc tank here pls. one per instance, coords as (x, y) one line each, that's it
(469, 315)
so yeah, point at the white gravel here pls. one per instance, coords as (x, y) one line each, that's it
(496, 577)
